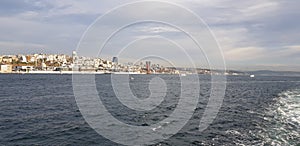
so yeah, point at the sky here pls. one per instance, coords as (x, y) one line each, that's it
(252, 35)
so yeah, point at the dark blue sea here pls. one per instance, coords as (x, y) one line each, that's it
(42, 110)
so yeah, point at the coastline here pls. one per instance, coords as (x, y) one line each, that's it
(69, 72)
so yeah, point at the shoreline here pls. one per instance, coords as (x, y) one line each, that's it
(86, 72)
(68, 72)
(116, 73)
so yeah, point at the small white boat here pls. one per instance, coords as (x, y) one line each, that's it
(252, 76)
(182, 75)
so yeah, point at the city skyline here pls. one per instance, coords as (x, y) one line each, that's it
(253, 35)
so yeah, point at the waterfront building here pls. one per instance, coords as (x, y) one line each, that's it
(44, 66)
(7, 59)
(15, 58)
(50, 58)
(5, 68)
(62, 58)
(23, 68)
(23, 59)
(40, 57)
(31, 59)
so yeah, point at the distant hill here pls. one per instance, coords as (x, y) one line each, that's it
(274, 73)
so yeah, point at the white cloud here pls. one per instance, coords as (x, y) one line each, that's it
(19, 45)
(287, 51)
(259, 8)
(13, 47)
(29, 15)
(232, 37)
(157, 29)
(295, 48)
(232, 11)
(244, 54)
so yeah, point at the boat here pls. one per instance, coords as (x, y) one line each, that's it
(182, 75)
(252, 76)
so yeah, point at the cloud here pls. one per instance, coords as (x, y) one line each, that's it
(260, 8)
(59, 38)
(231, 11)
(244, 54)
(157, 29)
(10, 47)
(19, 45)
(288, 51)
(258, 31)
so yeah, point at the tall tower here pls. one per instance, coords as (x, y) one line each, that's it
(148, 65)
(115, 60)
(74, 56)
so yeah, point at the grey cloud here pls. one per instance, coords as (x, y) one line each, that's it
(255, 26)
(12, 7)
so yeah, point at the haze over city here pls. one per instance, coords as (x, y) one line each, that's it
(254, 35)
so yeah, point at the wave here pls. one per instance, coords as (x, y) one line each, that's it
(285, 118)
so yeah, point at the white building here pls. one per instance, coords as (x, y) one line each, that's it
(23, 59)
(50, 58)
(5, 68)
